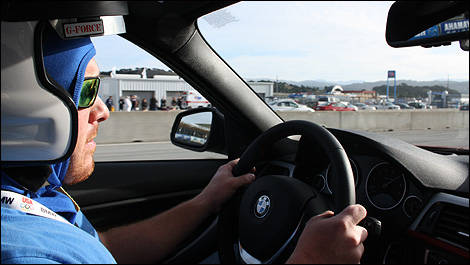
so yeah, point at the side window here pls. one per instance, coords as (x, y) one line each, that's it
(143, 96)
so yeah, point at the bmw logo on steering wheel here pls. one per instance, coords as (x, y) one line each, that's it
(262, 206)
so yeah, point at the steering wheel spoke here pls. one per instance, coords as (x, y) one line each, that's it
(281, 255)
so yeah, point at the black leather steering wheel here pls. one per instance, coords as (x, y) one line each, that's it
(262, 224)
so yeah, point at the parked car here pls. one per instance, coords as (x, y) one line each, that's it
(387, 105)
(417, 192)
(335, 106)
(363, 106)
(419, 105)
(350, 105)
(404, 106)
(325, 100)
(464, 107)
(270, 99)
(289, 105)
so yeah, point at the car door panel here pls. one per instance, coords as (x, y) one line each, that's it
(123, 192)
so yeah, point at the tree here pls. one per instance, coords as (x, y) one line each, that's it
(406, 91)
(138, 70)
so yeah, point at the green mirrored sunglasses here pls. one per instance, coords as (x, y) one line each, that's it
(89, 92)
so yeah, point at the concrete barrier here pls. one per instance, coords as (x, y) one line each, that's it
(440, 119)
(155, 126)
(384, 120)
(127, 127)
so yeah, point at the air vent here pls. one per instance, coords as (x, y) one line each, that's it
(452, 225)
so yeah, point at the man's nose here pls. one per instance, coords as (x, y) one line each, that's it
(100, 112)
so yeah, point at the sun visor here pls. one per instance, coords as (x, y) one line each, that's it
(38, 124)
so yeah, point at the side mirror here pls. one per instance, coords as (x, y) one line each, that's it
(200, 130)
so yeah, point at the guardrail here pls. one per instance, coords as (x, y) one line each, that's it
(155, 126)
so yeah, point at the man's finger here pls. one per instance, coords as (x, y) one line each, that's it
(244, 179)
(363, 232)
(233, 162)
(360, 251)
(325, 214)
(355, 213)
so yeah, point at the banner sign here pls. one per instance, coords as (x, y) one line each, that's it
(454, 26)
(444, 28)
(429, 33)
(391, 74)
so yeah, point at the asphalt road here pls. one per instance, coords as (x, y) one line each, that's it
(167, 151)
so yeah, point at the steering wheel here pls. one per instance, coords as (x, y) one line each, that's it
(263, 223)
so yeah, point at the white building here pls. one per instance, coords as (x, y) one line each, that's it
(160, 86)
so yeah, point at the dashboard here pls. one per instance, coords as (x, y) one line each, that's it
(420, 197)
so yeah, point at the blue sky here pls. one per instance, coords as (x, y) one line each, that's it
(334, 41)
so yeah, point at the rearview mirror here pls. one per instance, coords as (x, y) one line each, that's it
(427, 23)
(199, 130)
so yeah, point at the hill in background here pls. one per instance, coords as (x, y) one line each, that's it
(150, 71)
(460, 86)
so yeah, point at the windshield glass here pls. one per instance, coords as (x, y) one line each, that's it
(336, 51)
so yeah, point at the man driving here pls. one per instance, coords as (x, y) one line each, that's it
(58, 232)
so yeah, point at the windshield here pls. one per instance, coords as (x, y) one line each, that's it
(336, 51)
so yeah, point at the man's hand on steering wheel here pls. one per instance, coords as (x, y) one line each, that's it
(223, 185)
(332, 239)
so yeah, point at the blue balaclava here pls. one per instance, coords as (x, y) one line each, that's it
(65, 61)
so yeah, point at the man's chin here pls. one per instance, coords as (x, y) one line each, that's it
(80, 175)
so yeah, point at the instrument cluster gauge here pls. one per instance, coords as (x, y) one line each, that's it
(385, 186)
(412, 206)
(329, 174)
